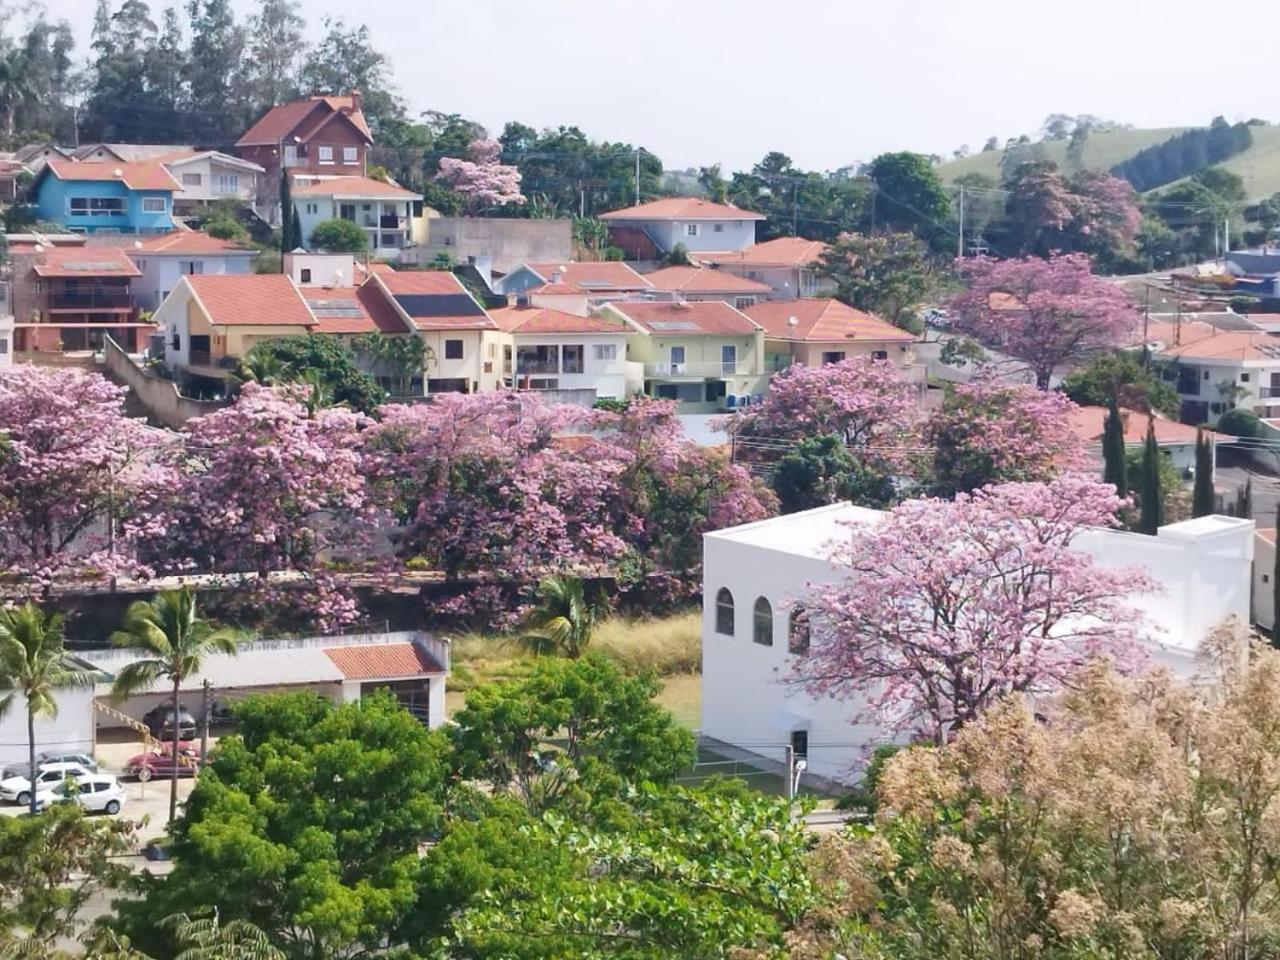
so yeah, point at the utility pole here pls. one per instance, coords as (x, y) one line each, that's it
(960, 232)
(638, 176)
(791, 772)
(205, 709)
(794, 186)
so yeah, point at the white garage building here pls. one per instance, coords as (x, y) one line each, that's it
(1204, 565)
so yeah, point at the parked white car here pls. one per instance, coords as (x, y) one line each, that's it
(18, 789)
(96, 792)
(48, 758)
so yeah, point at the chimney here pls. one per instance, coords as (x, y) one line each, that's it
(356, 102)
(556, 276)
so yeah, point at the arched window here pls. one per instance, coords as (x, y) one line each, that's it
(798, 631)
(762, 632)
(724, 612)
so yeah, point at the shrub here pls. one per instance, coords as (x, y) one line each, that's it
(1240, 422)
(339, 236)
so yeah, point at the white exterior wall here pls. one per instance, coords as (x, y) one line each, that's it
(787, 283)
(327, 269)
(170, 318)
(733, 234)
(1264, 568)
(6, 341)
(1204, 565)
(1257, 388)
(161, 272)
(618, 378)
(71, 729)
(313, 211)
(209, 169)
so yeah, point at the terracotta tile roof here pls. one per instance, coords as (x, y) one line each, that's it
(189, 242)
(822, 320)
(1087, 424)
(376, 266)
(1266, 533)
(691, 318)
(179, 157)
(251, 299)
(284, 120)
(1225, 345)
(1161, 333)
(589, 277)
(700, 280)
(383, 661)
(356, 187)
(362, 309)
(85, 262)
(547, 320)
(682, 208)
(780, 252)
(435, 300)
(146, 175)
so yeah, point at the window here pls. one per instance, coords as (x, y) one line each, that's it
(227, 183)
(543, 358)
(571, 358)
(291, 155)
(326, 155)
(691, 230)
(1206, 375)
(800, 744)
(728, 358)
(191, 179)
(684, 392)
(191, 267)
(350, 155)
(762, 623)
(677, 357)
(879, 354)
(313, 208)
(741, 303)
(4, 345)
(719, 228)
(1244, 378)
(605, 351)
(1266, 578)
(176, 342)
(154, 205)
(715, 390)
(798, 631)
(724, 612)
(96, 206)
(453, 349)
(832, 356)
(305, 274)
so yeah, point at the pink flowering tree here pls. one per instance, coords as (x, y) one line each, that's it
(1049, 314)
(266, 487)
(946, 606)
(482, 181)
(990, 432)
(71, 466)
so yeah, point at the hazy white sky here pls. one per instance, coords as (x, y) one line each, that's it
(827, 82)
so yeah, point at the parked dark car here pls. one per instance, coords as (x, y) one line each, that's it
(160, 722)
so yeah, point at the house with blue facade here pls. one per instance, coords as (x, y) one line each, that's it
(106, 197)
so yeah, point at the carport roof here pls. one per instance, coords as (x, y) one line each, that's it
(276, 667)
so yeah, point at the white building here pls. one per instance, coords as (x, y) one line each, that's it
(787, 264)
(71, 731)
(755, 575)
(6, 327)
(322, 269)
(207, 176)
(553, 350)
(165, 259)
(382, 210)
(1219, 369)
(652, 229)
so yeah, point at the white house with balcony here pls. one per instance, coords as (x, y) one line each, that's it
(1216, 370)
(382, 210)
(554, 350)
(650, 230)
(164, 260)
(208, 176)
(756, 578)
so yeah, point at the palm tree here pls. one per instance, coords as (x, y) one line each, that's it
(263, 368)
(34, 663)
(204, 936)
(173, 638)
(564, 618)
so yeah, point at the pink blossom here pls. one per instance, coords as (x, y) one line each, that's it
(482, 181)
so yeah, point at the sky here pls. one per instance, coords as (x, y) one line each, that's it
(828, 82)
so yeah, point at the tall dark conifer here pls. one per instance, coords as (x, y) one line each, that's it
(1202, 496)
(1150, 496)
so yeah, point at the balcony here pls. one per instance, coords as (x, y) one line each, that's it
(537, 367)
(697, 369)
(1269, 393)
(90, 300)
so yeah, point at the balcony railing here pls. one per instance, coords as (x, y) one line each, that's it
(89, 300)
(201, 358)
(537, 367)
(696, 369)
(1269, 393)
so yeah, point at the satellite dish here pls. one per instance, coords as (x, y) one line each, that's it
(792, 322)
(117, 172)
(337, 277)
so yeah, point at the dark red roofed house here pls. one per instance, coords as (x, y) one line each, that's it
(70, 298)
(706, 354)
(324, 136)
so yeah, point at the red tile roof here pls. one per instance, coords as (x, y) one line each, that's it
(1087, 424)
(85, 262)
(822, 320)
(421, 282)
(383, 661)
(251, 299)
(146, 175)
(1266, 533)
(781, 252)
(189, 242)
(691, 318)
(588, 277)
(699, 280)
(683, 208)
(1222, 345)
(301, 118)
(356, 187)
(415, 292)
(363, 309)
(547, 320)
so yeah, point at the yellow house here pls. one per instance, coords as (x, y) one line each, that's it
(700, 353)
(812, 332)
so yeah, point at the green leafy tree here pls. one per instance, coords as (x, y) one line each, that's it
(569, 729)
(401, 359)
(216, 69)
(1240, 422)
(1202, 498)
(174, 640)
(344, 60)
(821, 470)
(34, 664)
(563, 618)
(885, 274)
(275, 39)
(1150, 492)
(324, 363)
(310, 823)
(339, 236)
(1121, 374)
(910, 197)
(203, 936)
(1114, 456)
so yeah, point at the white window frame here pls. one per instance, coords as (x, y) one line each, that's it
(728, 358)
(147, 205)
(192, 180)
(690, 229)
(604, 351)
(350, 156)
(324, 155)
(676, 351)
(228, 183)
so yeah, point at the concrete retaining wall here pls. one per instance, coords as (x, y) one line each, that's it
(164, 405)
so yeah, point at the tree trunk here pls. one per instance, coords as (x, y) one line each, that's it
(31, 753)
(177, 738)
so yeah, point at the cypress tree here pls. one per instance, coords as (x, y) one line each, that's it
(1244, 500)
(287, 239)
(297, 229)
(1115, 468)
(1150, 496)
(1202, 495)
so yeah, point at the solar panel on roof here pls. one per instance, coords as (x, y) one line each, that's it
(439, 305)
(673, 325)
(87, 265)
(335, 308)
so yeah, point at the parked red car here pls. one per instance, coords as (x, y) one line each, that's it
(159, 763)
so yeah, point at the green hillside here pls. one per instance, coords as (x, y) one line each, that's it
(1102, 151)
